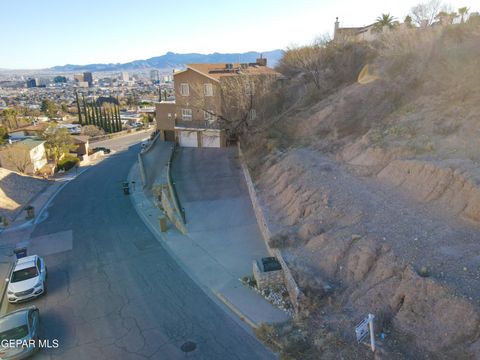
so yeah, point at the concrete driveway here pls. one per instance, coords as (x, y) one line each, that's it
(223, 236)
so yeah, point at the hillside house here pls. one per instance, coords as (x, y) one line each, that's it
(27, 156)
(362, 33)
(205, 96)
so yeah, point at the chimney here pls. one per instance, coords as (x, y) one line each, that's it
(337, 26)
(261, 61)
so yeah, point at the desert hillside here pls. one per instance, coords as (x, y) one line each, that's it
(366, 161)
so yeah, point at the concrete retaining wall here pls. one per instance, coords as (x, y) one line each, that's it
(170, 211)
(171, 188)
(147, 173)
(295, 293)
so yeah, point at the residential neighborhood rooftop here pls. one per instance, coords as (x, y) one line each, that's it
(219, 70)
(28, 143)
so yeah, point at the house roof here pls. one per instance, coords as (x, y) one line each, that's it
(28, 143)
(219, 70)
(355, 30)
(40, 127)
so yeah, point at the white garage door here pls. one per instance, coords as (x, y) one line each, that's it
(188, 139)
(211, 140)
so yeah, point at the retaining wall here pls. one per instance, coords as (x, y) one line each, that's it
(295, 293)
(147, 173)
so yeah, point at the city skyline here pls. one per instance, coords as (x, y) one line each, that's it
(118, 31)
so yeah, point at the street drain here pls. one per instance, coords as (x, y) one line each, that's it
(188, 346)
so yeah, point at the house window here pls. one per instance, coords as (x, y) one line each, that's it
(186, 114)
(208, 89)
(184, 89)
(209, 115)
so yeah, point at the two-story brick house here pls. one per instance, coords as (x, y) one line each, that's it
(205, 97)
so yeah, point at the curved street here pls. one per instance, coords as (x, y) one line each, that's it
(113, 291)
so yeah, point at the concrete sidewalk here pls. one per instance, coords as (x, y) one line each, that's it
(223, 237)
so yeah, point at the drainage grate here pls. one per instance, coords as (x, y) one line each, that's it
(188, 346)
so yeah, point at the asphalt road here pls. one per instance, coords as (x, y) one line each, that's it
(114, 292)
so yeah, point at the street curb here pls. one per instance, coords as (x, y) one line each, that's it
(40, 212)
(5, 286)
(236, 311)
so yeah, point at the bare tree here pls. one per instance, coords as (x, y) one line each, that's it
(307, 60)
(236, 103)
(18, 158)
(92, 130)
(425, 12)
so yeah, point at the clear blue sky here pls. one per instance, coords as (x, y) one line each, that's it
(44, 33)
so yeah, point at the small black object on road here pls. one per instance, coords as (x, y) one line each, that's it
(126, 188)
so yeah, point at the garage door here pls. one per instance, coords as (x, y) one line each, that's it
(188, 139)
(211, 140)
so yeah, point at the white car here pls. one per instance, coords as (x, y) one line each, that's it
(28, 279)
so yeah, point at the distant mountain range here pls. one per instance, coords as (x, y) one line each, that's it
(172, 60)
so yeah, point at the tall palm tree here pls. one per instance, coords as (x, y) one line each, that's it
(463, 11)
(408, 21)
(445, 17)
(384, 20)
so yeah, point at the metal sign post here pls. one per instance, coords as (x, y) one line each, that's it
(364, 328)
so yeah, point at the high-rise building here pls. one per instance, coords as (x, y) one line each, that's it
(155, 76)
(78, 77)
(124, 76)
(31, 83)
(88, 77)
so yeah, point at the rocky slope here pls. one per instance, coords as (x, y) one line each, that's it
(373, 190)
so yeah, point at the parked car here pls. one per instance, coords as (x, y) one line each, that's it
(101, 148)
(137, 124)
(27, 280)
(19, 333)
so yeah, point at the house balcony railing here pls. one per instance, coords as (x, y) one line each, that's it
(196, 124)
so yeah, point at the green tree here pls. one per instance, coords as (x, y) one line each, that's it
(86, 112)
(80, 120)
(3, 134)
(93, 115)
(110, 127)
(408, 21)
(10, 117)
(111, 117)
(384, 20)
(102, 119)
(147, 119)
(58, 142)
(463, 11)
(118, 118)
(131, 101)
(49, 108)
